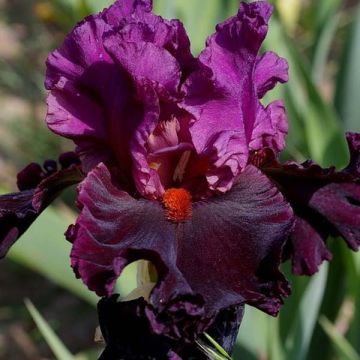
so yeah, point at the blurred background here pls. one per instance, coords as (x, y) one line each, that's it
(320, 39)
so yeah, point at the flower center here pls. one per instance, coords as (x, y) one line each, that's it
(177, 203)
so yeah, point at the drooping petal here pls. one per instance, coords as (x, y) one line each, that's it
(306, 248)
(19, 210)
(326, 202)
(235, 240)
(353, 140)
(128, 333)
(270, 69)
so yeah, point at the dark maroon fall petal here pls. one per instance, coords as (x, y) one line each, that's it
(128, 334)
(226, 254)
(19, 210)
(326, 202)
(353, 140)
(306, 248)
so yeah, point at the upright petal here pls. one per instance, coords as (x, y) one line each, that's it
(88, 92)
(270, 69)
(223, 96)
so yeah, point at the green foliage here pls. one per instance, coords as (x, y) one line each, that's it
(56, 345)
(327, 37)
(348, 85)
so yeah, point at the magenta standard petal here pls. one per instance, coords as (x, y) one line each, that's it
(270, 70)
(19, 210)
(326, 202)
(223, 96)
(270, 128)
(88, 92)
(121, 10)
(144, 26)
(141, 60)
(95, 78)
(226, 254)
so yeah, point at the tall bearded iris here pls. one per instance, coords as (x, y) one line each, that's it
(180, 167)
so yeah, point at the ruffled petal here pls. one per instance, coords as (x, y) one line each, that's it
(19, 210)
(119, 13)
(270, 70)
(128, 333)
(88, 93)
(223, 96)
(139, 24)
(306, 248)
(270, 128)
(141, 60)
(353, 140)
(95, 76)
(326, 202)
(243, 230)
(147, 180)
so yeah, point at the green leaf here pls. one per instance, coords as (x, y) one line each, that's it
(98, 5)
(254, 322)
(348, 84)
(313, 114)
(322, 48)
(212, 349)
(342, 346)
(198, 17)
(56, 345)
(298, 342)
(217, 346)
(276, 349)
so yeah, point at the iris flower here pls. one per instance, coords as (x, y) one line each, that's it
(179, 166)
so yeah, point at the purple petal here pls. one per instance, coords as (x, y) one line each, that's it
(29, 177)
(307, 248)
(270, 70)
(146, 179)
(326, 202)
(231, 54)
(339, 204)
(270, 128)
(91, 97)
(243, 230)
(141, 60)
(353, 140)
(223, 96)
(16, 215)
(136, 23)
(121, 10)
(88, 92)
(19, 210)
